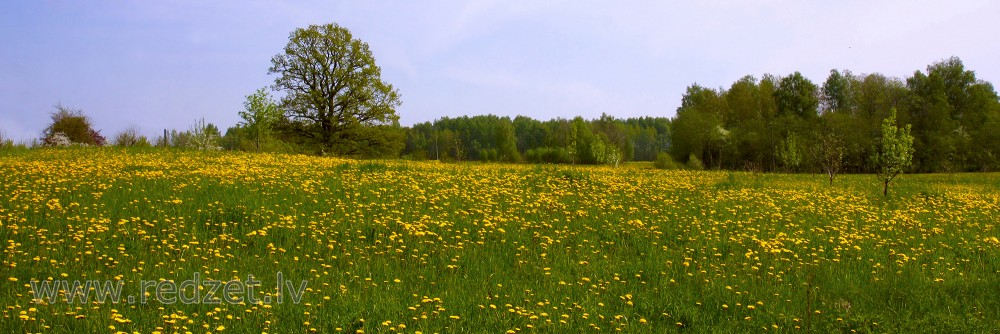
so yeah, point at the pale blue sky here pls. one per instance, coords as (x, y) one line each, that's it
(163, 64)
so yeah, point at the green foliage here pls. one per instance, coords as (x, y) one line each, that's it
(665, 161)
(616, 136)
(954, 117)
(894, 153)
(260, 115)
(694, 163)
(571, 143)
(789, 153)
(769, 124)
(458, 150)
(830, 154)
(695, 130)
(375, 141)
(797, 96)
(530, 133)
(175, 139)
(648, 136)
(556, 155)
(238, 138)
(506, 143)
(335, 99)
(494, 138)
(585, 140)
(604, 153)
(836, 92)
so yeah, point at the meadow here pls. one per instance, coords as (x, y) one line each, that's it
(425, 247)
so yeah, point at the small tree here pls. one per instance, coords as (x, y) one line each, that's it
(694, 162)
(204, 136)
(789, 154)
(613, 155)
(571, 143)
(597, 150)
(260, 114)
(893, 153)
(605, 153)
(830, 154)
(459, 149)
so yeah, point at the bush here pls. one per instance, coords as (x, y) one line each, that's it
(58, 139)
(694, 163)
(74, 126)
(555, 155)
(489, 154)
(96, 138)
(8, 143)
(130, 137)
(201, 136)
(665, 161)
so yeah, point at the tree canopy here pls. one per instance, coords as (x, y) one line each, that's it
(335, 99)
(836, 125)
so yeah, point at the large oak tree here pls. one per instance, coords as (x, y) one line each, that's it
(335, 99)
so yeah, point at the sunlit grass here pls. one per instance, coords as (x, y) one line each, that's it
(407, 246)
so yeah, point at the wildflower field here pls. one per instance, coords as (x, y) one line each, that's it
(399, 246)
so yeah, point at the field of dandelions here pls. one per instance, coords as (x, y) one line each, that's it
(424, 247)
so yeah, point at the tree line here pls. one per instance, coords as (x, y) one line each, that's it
(790, 123)
(334, 102)
(605, 140)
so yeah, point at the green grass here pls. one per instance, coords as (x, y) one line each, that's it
(495, 248)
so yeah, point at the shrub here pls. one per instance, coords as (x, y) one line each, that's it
(96, 138)
(74, 126)
(5, 142)
(489, 154)
(789, 154)
(130, 137)
(694, 163)
(57, 139)
(665, 161)
(548, 155)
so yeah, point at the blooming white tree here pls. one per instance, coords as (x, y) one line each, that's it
(58, 139)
